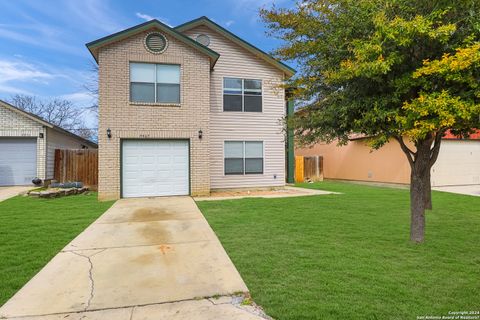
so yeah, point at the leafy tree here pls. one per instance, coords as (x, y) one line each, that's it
(397, 69)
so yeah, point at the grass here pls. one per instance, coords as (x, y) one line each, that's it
(347, 256)
(34, 230)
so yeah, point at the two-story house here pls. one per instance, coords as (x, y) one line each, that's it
(187, 110)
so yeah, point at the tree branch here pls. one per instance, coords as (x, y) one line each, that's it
(409, 153)
(436, 147)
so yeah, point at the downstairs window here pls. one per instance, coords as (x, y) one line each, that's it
(243, 157)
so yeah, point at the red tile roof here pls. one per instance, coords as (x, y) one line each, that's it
(448, 136)
(473, 136)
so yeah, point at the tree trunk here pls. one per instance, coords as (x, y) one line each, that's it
(434, 151)
(420, 190)
(418, 182)
(421, 161)
(428, 192)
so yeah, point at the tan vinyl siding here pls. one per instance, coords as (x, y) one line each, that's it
(57, 140)
(267, 126)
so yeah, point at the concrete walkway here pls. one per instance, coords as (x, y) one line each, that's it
(470, 190)
(10, 192)
(152, 258)
(286, 192)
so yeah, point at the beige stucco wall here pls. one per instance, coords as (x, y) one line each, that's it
(267, 126)
(132, 120)
(357, 161)
(13, 124)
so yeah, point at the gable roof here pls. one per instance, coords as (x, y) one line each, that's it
(47, 124)
(248, 46)
(95, 45)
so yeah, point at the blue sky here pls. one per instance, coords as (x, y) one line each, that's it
(42, 42)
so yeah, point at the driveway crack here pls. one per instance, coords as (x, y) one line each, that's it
(90, 275)
(131, 313)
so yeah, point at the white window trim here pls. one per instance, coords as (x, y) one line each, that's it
(244, 174)
(243, 95)
(176, 104)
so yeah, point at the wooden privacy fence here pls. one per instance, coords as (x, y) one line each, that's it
(77, 165)
(308, 168)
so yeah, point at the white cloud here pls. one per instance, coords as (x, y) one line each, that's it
(144, 16)
(37, 34)
(254, 4)
(14, 72)
(250, 8)
(20, 71)
(61, 26)
(82, 98)
(229, 23)
(12, 90)
(19, 76)
(95, 15)
(148, 17)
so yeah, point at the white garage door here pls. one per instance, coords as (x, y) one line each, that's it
(458, 163)
(155, 168)
(18, 161)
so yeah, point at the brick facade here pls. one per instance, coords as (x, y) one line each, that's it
(13, 124)
(128, 120)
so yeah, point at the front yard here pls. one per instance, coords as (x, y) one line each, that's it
(347, 256)
(32, 231)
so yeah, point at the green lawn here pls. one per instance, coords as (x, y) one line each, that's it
(33, 230)
(348, 256)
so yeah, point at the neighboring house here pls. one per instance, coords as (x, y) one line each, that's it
(27, 146)
(186, 110)
(458, 162)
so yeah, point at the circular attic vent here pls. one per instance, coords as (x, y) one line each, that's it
(156, 42)
(203, 39)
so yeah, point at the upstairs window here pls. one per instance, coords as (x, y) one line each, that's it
(243, 157)
(154, 83)
(242, 95)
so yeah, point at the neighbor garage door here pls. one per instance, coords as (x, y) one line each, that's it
(458, 163)
(155, 168)
(18, 161)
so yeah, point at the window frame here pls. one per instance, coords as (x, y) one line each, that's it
(242, 93)
(155, 84)
(244, 173)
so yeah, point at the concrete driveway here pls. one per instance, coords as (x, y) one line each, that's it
(149, 258)
(10, 192)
